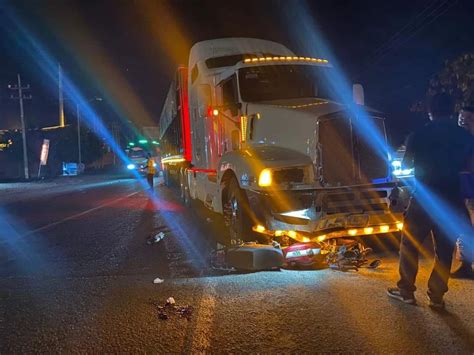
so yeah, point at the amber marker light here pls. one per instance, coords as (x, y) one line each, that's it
(265, 178)
(384, 229)
(260, 228)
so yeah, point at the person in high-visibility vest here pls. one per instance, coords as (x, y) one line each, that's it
(151, 170)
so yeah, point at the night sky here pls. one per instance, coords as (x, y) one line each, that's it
(126, 51)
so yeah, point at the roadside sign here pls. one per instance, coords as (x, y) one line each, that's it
(44, 152)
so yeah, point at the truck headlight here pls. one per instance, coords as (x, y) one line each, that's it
(399, 171)
(131, 166)
(265, 178)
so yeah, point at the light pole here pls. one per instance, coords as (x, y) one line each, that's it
(79, 154)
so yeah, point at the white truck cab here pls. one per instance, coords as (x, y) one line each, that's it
(272, 149)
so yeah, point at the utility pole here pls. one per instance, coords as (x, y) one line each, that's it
(78, 116)
(22, 97)
(62, 121)
(79, 154)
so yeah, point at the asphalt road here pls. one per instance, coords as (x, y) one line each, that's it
(76, 275)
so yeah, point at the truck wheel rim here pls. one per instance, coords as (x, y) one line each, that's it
(234, 218)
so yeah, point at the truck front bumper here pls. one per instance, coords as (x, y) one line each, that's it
(316, 214)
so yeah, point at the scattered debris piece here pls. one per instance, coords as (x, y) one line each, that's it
(154, 239)
(158, 281)
(209, 220)
(246, 257)
(306, 255)
(185, 312)
(170, 308)
(162, 315)
(350, 256)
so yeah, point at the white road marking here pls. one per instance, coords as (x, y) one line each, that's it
(201, 342)
(79, 214)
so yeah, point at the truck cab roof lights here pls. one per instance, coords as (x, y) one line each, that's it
(287, 59)
(305, 105)
(172, 159)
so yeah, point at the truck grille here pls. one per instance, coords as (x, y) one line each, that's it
(355, 202)
(357, 208)
(285, 176)
(346, 158)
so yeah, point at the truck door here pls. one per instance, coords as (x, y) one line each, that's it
(232, 112)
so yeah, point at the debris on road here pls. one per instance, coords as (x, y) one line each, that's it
(158, 235)
(351, 255)
(170, 307)
(305, 254)
(246, 257)
(341, 254)
(158, 281)
(154, 239)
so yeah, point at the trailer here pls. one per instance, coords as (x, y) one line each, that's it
(256, 134)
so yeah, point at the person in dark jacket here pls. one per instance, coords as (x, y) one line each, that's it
(438, 153)
(466, 257)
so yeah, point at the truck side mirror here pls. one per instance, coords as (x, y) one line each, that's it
(234, 108)
(235, 136)
(358, 94)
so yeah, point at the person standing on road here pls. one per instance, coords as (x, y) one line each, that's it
(151, 170)
(466, 120)
(438, 153)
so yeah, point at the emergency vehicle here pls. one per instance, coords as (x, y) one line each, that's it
(256, 133)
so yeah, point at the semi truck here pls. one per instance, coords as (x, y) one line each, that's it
(258, 135)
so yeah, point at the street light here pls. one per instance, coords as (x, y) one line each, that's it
(79, 157)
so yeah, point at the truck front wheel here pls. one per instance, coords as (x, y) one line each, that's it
(184, 188)
(237, 214)
(166, 177)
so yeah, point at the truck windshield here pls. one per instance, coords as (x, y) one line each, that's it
(277, 82)
(137, 154)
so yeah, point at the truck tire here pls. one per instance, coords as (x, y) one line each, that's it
(184, 188)
(166, 177)
(237, 214)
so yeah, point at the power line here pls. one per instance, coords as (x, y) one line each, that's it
(434, 14)
(407, 25)
(435, 9)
